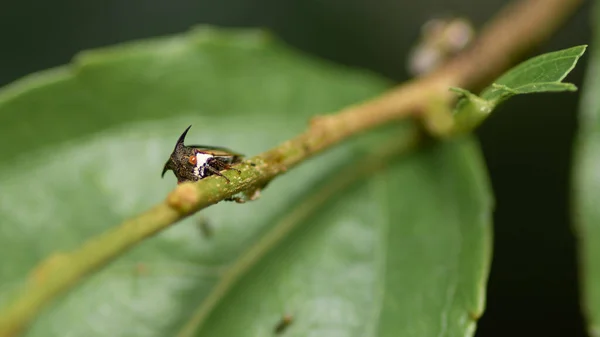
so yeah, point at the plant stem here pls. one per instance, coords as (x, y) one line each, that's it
(520, 27)
(328, 188)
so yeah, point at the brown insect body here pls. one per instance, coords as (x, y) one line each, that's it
(195, 162)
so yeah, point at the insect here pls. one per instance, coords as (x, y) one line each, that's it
(285, 321)
(195, 162)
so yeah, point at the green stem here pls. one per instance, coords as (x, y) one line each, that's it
(524, 25)
(332, 185)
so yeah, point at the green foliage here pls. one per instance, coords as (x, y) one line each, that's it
(403, 252)
(586, 186)
(543, 73)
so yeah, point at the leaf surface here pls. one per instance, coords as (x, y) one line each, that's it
(586, 186)
(543, 73)
(402, 250)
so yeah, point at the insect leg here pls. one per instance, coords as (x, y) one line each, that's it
(221, 165)
(216, 171)
(229, 167)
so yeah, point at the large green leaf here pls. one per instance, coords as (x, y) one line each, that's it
(404, 251)
(586, 180)
(403, 254)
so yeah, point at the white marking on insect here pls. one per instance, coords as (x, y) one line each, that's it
(201, 161)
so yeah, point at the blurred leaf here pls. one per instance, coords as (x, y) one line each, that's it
(586, 181)
(404, 254)
(405, 251)
(543, 73)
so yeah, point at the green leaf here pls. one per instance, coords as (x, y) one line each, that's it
(375, 260)
(586, 186)
(400, 250)
(543, 73)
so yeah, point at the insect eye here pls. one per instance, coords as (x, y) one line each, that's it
(192, 160)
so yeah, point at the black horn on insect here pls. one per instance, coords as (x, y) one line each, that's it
(182, 138)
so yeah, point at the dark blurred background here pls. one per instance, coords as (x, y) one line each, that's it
(527, 142)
